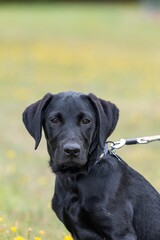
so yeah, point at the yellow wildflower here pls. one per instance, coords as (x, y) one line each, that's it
(10, 154)
(19, 238)
(1, 219)
(37, 238)
(13, 229)
(68, 237)
(41, 232)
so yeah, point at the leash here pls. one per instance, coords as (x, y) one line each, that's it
(131, 141)
(122, 142)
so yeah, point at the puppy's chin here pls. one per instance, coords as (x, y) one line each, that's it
(67, 167)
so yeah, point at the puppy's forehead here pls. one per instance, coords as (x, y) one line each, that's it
(69, 101)
(68, 97)
(69, 94)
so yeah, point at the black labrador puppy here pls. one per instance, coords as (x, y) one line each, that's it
(97, 195)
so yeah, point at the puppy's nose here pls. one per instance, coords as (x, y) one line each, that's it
(71, 149)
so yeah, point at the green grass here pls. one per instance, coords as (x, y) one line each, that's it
(110, 50)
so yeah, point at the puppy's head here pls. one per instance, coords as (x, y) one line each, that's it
(76, 127)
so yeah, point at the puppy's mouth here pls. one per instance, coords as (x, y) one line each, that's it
(68, 167)
(71, 166)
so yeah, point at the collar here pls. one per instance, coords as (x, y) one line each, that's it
(105, 151)
(110, 151)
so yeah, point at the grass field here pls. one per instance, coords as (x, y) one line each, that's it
(112, 51)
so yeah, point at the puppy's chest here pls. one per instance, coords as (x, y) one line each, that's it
(70, 200)
(70, 204)
(69, 208)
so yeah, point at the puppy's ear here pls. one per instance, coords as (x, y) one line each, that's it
(107, 117)
(33, 117)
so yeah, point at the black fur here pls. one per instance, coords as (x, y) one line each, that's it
(95, 198)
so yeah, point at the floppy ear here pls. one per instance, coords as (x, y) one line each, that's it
(33, 117)
(107, 114)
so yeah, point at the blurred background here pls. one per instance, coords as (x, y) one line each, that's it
(108, 48)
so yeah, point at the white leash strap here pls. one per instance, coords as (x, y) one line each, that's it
(131, 141)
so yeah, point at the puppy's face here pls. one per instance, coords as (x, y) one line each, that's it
(76, 127)
(69, 125)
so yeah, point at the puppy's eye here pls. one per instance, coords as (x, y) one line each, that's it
(55, 120)
(85, 121)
